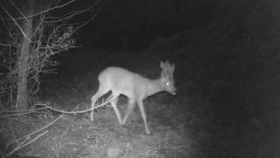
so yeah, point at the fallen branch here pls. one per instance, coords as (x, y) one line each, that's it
(46, 106)
(25, 144)
(19, 113)
(25, 140)
(77, 112)
(28, 136)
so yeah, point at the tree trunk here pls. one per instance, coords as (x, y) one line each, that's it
(23, 65)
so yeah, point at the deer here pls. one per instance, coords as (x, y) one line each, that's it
(135, 87)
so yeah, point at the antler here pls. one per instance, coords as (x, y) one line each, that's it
(167, 68)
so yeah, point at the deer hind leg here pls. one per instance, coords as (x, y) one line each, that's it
(144, 117)
(114, 105)
(101, 91)
(130, 107)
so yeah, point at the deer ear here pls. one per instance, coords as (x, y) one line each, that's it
(167, 62)
(161, 64)
(173, 67)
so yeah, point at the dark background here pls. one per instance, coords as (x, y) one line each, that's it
(132, 24)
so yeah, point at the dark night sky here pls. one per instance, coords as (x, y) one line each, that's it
(133, 23)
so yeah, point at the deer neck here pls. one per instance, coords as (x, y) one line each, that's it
(154, 87)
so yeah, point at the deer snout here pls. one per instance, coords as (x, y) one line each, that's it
(173, 91)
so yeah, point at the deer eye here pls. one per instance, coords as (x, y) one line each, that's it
(167, 83)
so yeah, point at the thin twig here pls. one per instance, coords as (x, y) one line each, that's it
(16, 23)
(68, 16)
(49, 9)
(28, 136)
(98, 10)
(5, 44)
(17, 8)
(11, 113)
(85, 23)
(20, 114)
(25, 138)
(39, 26)
(78, 112)
(24, 145)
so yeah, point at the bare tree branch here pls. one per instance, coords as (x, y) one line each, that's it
(16, 23)
(68, 15)
(39, 26)
(91, 18)
(5, 45)
(24, 144)
(20, 12)
(49, 36)
(49, 9)
(110, 98)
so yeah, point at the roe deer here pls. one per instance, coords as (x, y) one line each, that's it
(135, 87)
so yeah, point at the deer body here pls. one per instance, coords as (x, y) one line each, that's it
(134, 86)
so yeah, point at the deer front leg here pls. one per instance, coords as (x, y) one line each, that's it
(130, 107)
(143, 114)
(116, 110)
